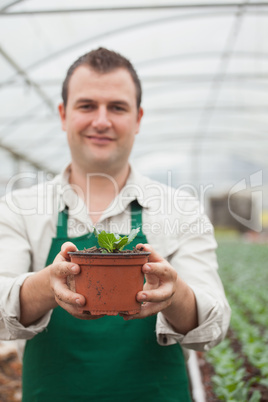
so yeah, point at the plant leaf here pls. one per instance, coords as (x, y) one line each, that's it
(113, 241)
(96, 232)
(132, 235)
(106, 240)
(118, 245)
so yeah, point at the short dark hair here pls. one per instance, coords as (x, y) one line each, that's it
(102, 61)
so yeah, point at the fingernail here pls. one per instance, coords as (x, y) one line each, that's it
(74, 268)
(78, 302)
(147, 267)
(143, 296)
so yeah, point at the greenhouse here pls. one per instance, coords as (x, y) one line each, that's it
(203, 67)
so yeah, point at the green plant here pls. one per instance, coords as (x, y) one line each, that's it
(112, 242)
(240, 371)
(229, 374)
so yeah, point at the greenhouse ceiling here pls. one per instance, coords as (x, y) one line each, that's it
(203, 66)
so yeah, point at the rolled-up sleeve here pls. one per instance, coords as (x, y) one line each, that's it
(14, 269)
(10, 327)
(213, 322)
(196, 263)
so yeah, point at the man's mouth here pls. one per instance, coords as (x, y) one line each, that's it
(101, 139)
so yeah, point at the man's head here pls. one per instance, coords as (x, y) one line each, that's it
(100, 112)
(102, 61)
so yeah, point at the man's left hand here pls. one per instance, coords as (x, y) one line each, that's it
(165, 291)
(160, 285)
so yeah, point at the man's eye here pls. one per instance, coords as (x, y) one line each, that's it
(118, 108)
(86, 107)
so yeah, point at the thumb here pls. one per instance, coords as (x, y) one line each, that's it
(63, 254)
(154, 256)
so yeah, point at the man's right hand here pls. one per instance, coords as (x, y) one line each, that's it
(60, 270)
(48, 288)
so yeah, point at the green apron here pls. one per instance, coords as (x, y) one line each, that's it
(108, 359)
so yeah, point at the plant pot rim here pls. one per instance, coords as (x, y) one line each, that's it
(82, 253)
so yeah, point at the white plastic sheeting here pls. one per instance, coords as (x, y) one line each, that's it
(204, 69)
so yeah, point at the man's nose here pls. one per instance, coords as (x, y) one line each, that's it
(101, 121)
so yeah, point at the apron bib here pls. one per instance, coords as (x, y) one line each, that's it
(107, 359)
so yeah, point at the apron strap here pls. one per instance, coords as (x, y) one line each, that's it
(62, 225)
(136, 215)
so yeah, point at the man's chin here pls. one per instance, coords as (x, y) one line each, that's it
(100, 165)
(109, 166)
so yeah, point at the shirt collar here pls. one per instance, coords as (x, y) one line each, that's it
(68, 197)
(134, 187)
(133, 190)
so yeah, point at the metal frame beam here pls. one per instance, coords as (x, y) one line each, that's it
(121, 30)
(185, 6)
(214, 92)
(226, 135)
(125, 29)
(179, 78)
(12, 125)
(20, 71)
(34, 119)
(10, 4)
(197, 56)
(179, 146)
(25, 158)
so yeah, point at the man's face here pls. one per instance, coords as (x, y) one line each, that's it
(100, 118)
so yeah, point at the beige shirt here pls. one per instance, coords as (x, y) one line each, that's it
(173, 222)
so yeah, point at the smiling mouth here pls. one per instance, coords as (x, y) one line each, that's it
(97, 138)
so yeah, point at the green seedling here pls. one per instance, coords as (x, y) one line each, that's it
(112, 242)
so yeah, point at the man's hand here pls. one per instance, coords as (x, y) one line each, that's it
(160, 285)
(48, 288)
(60, 270)
(164, 291)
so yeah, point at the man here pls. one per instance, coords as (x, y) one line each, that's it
(182, 300)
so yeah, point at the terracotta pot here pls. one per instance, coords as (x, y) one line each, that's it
(110, 282)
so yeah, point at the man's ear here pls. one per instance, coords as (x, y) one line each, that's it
(62, 114)
(140, 114)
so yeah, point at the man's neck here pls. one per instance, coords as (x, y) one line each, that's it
(97, 189)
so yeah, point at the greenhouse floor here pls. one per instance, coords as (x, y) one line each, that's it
(10, 373)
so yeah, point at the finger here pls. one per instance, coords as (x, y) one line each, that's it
(75, 311)
(162, 293)
(151, 282)
(64, 269)
(163, 270)
(78, 312)
(154, 256)
(63, 254)
(147, 310)
(65, 295)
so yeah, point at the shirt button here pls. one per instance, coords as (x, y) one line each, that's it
(165, 340)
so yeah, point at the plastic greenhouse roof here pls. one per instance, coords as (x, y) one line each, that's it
(203, 65)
